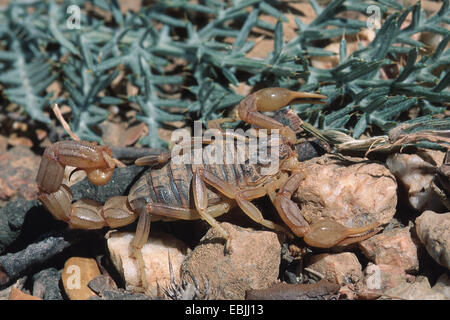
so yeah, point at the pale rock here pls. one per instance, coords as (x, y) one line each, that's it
(416, 176)
(156, 253)
(383, 277)
(341, 268)
(355, 195)
(393, 247)
(419, 290)
(252, 264)
(433, 230)
(77, 273)
(442, 285)
(17, 294)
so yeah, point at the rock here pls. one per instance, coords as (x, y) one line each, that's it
(102, 283)
(106, 289)
(443, 177)
(46, 284)
(3, 144)
(252, 264)
(321, 290)
(17, 264)
(156, 254)
(4, 293)
(355, 195)
(12, 218)
(341, 268)
(76, 275)
(393, 247)
(348, 292)
(416, 176)
(17, 294)
(18, 167)
(383, 277)
(442, 285)
(121, 294)
(419, 290)
(433, 230)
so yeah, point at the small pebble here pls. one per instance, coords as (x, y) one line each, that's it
(341, 268)
(17, 294)
(393, 247)
(102, 283)
(419, 290)
(416, 176)
(253, 263)
(106, 289)
(46, 284)
(156, 254)
(433, 230)
(442, 285)
(18, 167)
(383, 277)
(76, 275)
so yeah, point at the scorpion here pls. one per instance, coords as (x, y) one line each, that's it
(187, 192)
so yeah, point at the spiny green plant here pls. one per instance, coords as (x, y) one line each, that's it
(185, 58)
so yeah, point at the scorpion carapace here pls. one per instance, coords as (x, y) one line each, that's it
(194, 191)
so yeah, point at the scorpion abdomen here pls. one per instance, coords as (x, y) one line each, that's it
(171, 185)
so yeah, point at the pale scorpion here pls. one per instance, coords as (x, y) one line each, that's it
(188, 192)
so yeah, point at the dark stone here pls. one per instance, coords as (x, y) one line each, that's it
(14, 265)
(102, 283)
(106, 289)
(120, 183)
(311, 149)
(46, 284)
(322, 290)
(12, 217)
(121, 295)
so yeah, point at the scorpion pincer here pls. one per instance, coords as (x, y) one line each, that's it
(201, 191)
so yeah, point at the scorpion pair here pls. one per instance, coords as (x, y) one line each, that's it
(202, 191)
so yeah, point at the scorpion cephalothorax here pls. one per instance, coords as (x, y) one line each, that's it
(194, 191)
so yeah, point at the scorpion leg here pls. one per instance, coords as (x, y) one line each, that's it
(140, 239)
(164, 157)
(201, 204)
(176, 213)
(288, 209)
(273, 99)
(243, 198)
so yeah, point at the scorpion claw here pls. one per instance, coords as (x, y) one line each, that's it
(327, 233)
(272, 99)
